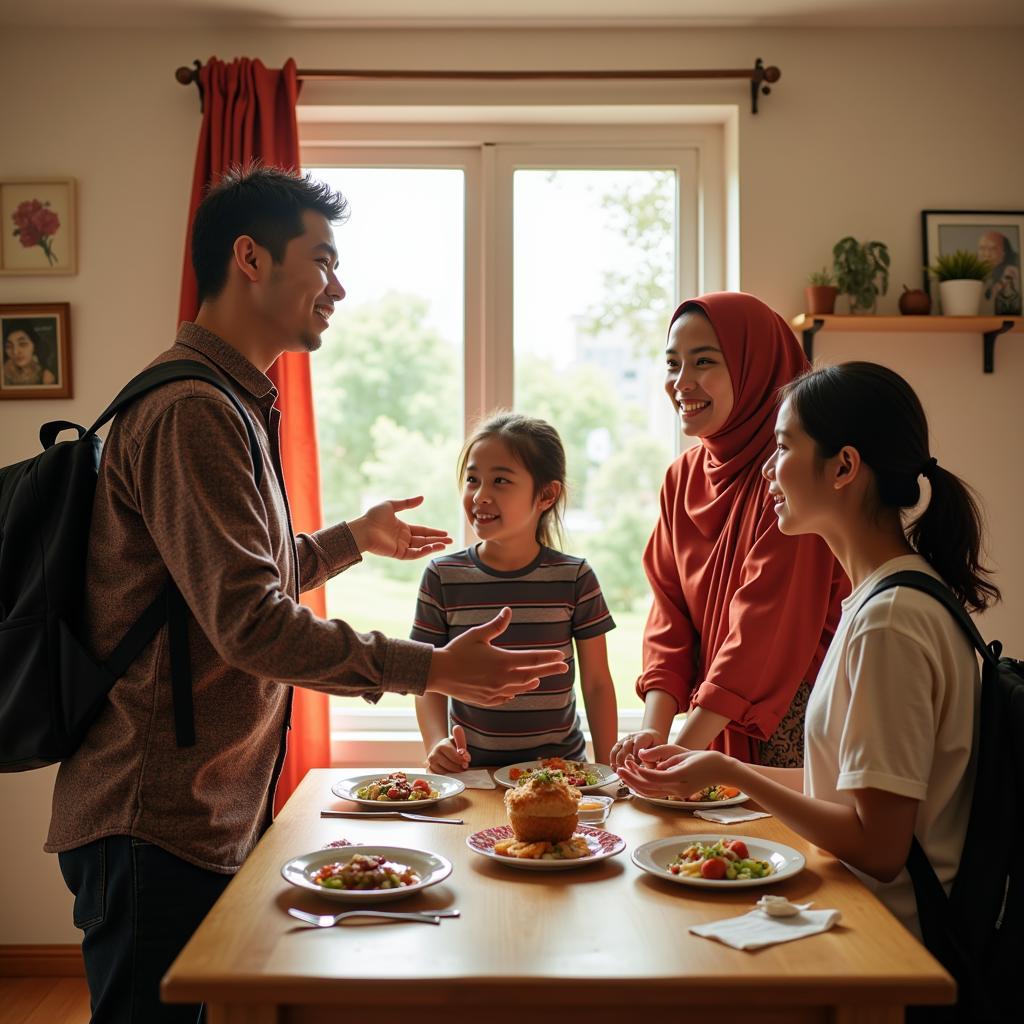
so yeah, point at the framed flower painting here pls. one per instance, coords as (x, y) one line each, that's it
(37, 226)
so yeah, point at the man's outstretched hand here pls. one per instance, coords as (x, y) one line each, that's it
(471, 669)
(379, 531)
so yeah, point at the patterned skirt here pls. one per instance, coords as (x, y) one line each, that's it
(785, 748)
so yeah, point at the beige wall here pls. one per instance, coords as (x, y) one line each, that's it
(864, 130)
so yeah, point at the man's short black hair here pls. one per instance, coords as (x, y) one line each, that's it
(266, 203)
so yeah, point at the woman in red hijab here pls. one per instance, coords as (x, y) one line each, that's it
(742, 615)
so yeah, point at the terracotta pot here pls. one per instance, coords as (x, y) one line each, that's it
(915, 302)
(821, 298)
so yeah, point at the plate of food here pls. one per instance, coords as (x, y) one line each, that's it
(585, 777)
(718, 862)
(366, 874)
(397, 789)
(585, 846)
(709, 796)
(544, 831)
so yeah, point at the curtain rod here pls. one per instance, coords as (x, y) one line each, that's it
(758, 75)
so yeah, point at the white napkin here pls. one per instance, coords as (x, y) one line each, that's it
(475, 778)
(729, 815)
(757, 929)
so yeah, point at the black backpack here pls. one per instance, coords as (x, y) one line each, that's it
(51, 688)
(977, 932)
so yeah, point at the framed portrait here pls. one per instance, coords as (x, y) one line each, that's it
(37, 226)
(995, 236)
(36, 351)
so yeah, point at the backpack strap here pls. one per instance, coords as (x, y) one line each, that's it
(165, 373)
(936, 588)
(168, 606)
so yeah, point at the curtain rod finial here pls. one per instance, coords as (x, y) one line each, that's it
(186, 76)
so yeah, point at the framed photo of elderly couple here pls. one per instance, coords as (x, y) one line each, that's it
(36, 350)
(995, 236)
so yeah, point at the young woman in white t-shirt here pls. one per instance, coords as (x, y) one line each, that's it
(892, 720)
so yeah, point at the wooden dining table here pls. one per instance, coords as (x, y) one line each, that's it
(601, 942)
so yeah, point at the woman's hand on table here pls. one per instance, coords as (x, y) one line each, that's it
(668, 770)
(449, 754)
(631, 745)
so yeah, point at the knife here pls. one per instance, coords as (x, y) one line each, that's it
(389, 814)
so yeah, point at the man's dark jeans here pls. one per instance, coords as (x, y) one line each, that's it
(138, 905)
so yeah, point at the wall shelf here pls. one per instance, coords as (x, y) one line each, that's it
(989, 327)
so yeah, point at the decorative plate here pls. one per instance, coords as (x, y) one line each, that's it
(602, 845)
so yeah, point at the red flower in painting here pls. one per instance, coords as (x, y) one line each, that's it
(36, 224)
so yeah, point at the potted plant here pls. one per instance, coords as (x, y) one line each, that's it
(961, 277)
(821, 292)
(862, 271)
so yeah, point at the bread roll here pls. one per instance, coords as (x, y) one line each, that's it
(545, 807)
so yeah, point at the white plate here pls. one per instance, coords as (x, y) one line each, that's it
(692, 805)
(447, 787)
(654, 857)
(431, 868)
(605, 775)
(602, 844)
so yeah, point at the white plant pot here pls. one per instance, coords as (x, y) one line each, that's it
(960, 298)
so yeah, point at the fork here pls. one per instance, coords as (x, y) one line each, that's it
(330, 920)
(407, 815)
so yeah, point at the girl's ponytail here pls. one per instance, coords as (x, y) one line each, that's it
(948, 535)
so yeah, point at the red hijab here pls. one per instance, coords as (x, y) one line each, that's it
(761, 355)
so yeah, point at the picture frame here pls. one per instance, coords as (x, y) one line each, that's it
(995, 235)
(36, 340)
(37, 226)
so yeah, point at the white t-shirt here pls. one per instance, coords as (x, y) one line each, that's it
(895, 708)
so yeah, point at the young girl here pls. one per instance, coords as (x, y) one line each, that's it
(741, 615)
(513, 491)
(891, 725)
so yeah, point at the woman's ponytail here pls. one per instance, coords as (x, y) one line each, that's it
(947, 534)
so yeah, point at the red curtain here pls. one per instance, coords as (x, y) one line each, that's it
(249, 114)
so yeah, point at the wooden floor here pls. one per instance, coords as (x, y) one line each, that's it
(44, 1001)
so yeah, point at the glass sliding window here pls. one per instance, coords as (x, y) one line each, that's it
(388, 380)
(595, 280)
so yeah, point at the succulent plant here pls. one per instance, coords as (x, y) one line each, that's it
(962, 265)
(821, 278)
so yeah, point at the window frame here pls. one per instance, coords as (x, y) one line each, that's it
(701, 154)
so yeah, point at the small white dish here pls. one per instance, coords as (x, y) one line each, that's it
(654, 858)
(597, 811)
(446, 787)
(602, 844)
(431, 867)
(604, 774)
(693, 805)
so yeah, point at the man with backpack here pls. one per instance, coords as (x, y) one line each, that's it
(158, 807)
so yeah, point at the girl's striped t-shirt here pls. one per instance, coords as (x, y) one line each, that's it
(554, 599)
